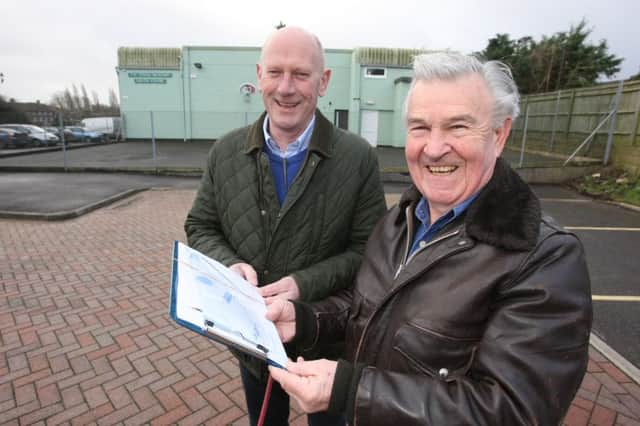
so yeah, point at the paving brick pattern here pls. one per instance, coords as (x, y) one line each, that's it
(85, 337)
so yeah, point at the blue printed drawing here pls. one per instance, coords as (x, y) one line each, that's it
(216, 299)
(219, 303)
(204, 280)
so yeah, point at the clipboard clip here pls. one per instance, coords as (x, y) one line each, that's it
(210, 325)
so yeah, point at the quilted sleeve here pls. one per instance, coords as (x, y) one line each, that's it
(203, 226)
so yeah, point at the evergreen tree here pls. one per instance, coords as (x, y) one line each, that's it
(564, 60)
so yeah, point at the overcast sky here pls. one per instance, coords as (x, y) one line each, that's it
(46, 46)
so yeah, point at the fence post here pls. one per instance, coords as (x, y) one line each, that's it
(612, 123)
(524, 135)
(572, 101)
(64, 143)
(555, 119)
(636, 117)
(153, 142)
(525, 107)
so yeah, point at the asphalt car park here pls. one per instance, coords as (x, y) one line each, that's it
(610, 234)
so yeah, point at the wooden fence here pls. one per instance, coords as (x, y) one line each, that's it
(558, 122)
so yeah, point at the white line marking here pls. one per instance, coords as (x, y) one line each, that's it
(566, 200)
(600, 228)
(605, 298)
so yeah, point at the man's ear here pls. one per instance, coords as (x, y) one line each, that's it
(324, 82)
(502, 134)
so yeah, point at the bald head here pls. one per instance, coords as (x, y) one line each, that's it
(287, 36)
(291, 78)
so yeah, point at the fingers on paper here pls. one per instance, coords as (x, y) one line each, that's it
(275, 309)
(246, 271)
(285, 288)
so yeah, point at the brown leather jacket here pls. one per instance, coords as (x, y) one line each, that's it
(488, 324)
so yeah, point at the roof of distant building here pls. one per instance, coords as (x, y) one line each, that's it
(149, 57)
(32, 106)
(169, 57)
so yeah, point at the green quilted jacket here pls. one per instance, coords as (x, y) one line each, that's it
(319, 233)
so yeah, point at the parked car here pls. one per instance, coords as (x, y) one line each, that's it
(54, 130)
(13, 138)
(109, 126)
(38, 135)
(80, 134)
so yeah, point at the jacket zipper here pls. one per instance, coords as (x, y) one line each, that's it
(429, 244)
(405, 261)
(284, 173)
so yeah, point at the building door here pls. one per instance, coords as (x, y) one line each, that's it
(369, 126)
(341, 118)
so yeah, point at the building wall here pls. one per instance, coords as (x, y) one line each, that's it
(202, 99)
(214, 103)
(384, 95)
(144, 92)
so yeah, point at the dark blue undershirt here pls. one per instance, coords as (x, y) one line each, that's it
(284, 171)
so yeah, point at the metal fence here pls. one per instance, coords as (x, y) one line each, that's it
(576, 126)
(559, 128)
(51, 139)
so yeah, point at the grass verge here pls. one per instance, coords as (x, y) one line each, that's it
(611, 184)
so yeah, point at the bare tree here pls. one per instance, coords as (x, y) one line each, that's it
(57, 100)
(68, 100)
(77, 102)
(113, 100)
(96, 100)
(86, 104)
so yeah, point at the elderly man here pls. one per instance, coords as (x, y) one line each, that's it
(289, 201)
(470, 307)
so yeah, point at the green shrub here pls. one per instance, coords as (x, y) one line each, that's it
(611, 184)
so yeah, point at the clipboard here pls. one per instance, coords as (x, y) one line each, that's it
(210, 299)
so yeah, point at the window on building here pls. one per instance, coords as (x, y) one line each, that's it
(375, 72)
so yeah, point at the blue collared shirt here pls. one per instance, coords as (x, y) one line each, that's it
(427, 231)
(295, 147)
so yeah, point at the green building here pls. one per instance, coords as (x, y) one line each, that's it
(203, 92)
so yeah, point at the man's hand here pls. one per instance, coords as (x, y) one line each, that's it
(308, 382)
(283, 315)
(285, 288)
(246, 271)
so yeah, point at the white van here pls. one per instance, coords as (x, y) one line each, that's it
(110, 126)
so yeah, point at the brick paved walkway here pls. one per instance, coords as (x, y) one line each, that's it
(85, 335)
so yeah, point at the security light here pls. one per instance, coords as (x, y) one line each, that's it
(197, 65)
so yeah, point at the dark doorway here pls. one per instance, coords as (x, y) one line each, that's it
(341, 118)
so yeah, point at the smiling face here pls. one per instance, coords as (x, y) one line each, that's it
(451, 145)
(291, 78)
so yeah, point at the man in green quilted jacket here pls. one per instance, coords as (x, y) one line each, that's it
(289, 201)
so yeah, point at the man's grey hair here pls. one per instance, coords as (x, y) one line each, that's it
(451, 65)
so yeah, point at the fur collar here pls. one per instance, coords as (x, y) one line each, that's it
(506, 213)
